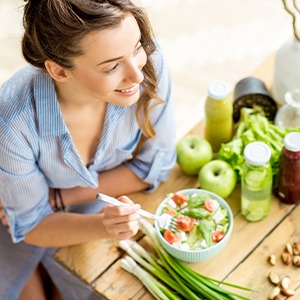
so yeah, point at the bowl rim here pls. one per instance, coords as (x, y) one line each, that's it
(222, 202)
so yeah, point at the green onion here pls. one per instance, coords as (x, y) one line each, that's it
(174, 274)
(155, 268)
(155, 287)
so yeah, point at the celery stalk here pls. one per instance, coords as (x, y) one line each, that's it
(254, 126)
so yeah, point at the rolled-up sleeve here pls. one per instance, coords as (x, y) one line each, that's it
(23, 188)
(158, 156)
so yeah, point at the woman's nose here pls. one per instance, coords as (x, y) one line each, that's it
(134, 73)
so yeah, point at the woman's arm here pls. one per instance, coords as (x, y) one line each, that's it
(65, 229)
(118, 181)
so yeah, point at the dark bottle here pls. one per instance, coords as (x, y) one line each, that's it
(288, 190)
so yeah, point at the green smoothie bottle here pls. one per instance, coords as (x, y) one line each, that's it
(218, 115)
(256, 182)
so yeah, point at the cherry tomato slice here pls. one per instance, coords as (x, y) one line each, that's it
(170, 236)
(179, 199)
(209, 205)
(185, 223)
(218, 236)
(170, 212)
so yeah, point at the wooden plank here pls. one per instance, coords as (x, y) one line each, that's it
(253, 271)
(117, 283)
(89, 260)
(265, 71)
(142, 295)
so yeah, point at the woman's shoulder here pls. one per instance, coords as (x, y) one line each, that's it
(158, 56)
(21, 77)
(17, 91)
(160, 61)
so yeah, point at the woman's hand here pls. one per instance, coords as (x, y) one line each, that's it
(121, 222)
(3, 218)
(51, 199)
(55, 199)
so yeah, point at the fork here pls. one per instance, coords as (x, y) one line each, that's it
(165, 221)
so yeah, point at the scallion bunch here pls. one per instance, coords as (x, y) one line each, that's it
(166, 277)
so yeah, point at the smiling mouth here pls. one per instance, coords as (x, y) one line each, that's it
(127, 90)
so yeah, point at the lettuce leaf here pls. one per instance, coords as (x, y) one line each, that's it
(254, 126)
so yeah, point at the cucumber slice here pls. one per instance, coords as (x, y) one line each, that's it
(255, 179)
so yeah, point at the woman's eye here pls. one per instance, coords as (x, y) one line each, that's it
(112, 69)
(139, 47)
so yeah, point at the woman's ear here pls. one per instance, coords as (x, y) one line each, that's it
(57, 72)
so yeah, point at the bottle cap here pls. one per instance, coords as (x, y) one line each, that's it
(257, 153)
(292, 97)
(218, 90)
(292, 141)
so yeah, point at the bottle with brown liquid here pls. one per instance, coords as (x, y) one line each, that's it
(288, 189)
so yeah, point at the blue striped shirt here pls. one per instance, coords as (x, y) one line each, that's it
(37, 151)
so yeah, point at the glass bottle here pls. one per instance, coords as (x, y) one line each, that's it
(286, 66)
(288, 188)
(288, 116)
(256, 182)
(218, 115)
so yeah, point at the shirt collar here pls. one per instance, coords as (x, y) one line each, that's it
(49, 115)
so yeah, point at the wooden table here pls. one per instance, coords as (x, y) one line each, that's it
(243, 261)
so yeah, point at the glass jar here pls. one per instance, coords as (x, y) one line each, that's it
(256, 184)
(288, 116)
(288, 188)
(218, 115)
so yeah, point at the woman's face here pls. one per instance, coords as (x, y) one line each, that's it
(110, 68)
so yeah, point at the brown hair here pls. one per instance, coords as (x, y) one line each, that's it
(54, 28)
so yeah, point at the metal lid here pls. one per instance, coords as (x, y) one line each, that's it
(251, 92)
(250, 86)
(257, 153)
(292, 141)
(218, 90)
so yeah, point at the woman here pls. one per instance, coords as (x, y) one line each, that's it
(91, 114)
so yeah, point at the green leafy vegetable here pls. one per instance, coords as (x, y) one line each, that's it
(197, 213)
(194, 238)
(197, 200)
(254, 126)
(206, 228)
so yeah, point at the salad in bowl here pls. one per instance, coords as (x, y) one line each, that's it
(201, 224)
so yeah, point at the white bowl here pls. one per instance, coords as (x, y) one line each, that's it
(197, 254)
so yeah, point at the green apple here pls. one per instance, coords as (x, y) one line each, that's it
(218, 176)
(193, 152)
